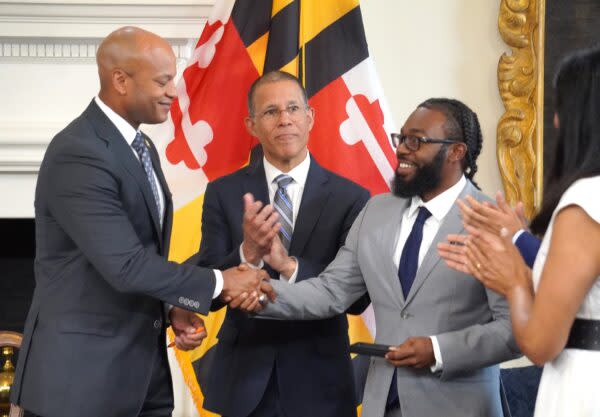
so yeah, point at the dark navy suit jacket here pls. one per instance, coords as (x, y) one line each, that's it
(311, 359)
(96, 324)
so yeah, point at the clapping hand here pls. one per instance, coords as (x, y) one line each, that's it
(489, 257)
(259, 225)
(498, 219)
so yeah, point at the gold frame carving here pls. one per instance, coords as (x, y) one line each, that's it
(519, 136)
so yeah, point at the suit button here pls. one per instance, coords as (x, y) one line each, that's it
(404, 315)
(157, 324)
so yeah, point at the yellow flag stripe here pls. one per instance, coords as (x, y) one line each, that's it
(258, 51)
(291, 67)
(316, 15)
(187, 230)
(278, 5)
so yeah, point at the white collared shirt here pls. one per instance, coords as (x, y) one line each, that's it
(129, 133)
(439, 206)
(295, 189)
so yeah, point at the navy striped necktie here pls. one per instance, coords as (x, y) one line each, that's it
(283, 205)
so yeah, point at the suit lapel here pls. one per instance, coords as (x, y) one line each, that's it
(118, 145)
(256, 182)
(314, 197)
(392, 222)
(168, 216)
(452, 223)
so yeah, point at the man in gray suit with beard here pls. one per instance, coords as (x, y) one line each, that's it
(94, 339)
(447, 332)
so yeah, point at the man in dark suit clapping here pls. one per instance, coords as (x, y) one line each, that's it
(280, 368)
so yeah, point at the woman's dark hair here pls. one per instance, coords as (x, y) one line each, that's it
(461, 123)
(577, 100)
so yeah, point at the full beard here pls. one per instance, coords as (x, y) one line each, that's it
(426, 178)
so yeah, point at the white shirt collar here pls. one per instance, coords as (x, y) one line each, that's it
(126, 130)
(441, 204)
(298, 173)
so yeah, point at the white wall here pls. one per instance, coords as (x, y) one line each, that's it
(440, 48)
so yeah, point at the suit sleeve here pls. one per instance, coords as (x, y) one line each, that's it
(307, 268)
(493, 342)
(479, 345)
(528, 245)
(329, 294)
(84, 198)
(216, 247)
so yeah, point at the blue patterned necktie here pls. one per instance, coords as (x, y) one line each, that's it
(283, 205)
(407, 270)
(140, 147)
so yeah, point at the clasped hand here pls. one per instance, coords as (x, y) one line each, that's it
(415, 352)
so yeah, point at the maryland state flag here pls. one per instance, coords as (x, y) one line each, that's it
(320, 41)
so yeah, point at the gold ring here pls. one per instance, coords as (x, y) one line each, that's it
(478, 265)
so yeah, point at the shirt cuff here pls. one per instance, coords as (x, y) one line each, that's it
(218, 283)
(517, 235)
(244, 261)
(291, 279)
(438, 365)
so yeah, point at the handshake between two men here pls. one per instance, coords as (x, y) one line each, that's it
(245, 287)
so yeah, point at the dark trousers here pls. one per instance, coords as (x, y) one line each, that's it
(159, 398)
(270, 403)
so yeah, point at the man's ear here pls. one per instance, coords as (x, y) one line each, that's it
(249, 122)
(119, 81)
(457, 151)
(311, 116)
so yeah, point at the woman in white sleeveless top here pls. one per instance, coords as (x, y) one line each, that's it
(555, 308)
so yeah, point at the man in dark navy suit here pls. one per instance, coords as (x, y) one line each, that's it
(267, 368)
(94, 339)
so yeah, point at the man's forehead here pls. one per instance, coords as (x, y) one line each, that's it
(280, 89)
(423, 120)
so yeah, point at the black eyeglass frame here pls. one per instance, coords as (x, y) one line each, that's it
(399, 138)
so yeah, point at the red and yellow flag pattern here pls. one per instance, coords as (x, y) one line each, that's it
(320, 41)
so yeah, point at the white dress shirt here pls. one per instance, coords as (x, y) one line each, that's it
(295, 189)
(439, 206)
(129, 133)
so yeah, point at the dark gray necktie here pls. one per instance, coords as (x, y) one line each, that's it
(140, 147)
(283, 205)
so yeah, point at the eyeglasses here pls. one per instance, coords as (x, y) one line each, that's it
(413, 143)
(294, 111)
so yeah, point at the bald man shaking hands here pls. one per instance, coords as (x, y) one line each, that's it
(94, 340)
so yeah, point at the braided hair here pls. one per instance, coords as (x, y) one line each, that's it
(462, 124)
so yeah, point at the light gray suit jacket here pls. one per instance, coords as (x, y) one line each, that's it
(472, 324)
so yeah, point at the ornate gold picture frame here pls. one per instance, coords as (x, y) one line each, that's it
(519, 136)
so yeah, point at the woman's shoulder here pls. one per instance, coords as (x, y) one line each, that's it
(584, 193)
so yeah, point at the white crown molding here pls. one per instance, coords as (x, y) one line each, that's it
(71, 48)
(181, 19)
(22, 145)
